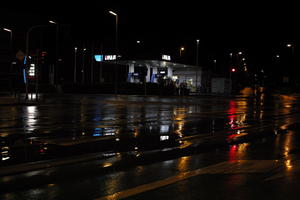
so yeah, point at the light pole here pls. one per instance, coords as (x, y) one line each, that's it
(11, 49)
(75, 63)
(83, 67)
(10, 43)
(215, 65)
(197, 52)
(181, 50)
(289, 45)
(116, 48)
(197, 63)
(56, 50)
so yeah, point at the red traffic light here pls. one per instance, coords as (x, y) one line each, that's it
(233, 70)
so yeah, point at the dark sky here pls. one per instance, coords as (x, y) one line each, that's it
(260, 28)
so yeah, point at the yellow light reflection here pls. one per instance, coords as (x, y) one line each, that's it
(136, 132)
(183, 163)
(107, 165)
(179, 118)
(288, 164)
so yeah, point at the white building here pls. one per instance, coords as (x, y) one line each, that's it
(155, 69)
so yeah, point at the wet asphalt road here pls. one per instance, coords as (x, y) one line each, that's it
(248, 170)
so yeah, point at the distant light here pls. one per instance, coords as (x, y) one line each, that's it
(113, 13)
(163, 137)
(277, 56)
(138, 42)
(243, 59)
(198, 40)
(240, 53)
(31, 71)
(6, 29)
(110, 57)
(182, 48)
(75, 48)
(52, 22)
(215, 61)
(231, 54)
(233, 69)
(289, 45)
(84, 49)
(166, 57)
(98, 58)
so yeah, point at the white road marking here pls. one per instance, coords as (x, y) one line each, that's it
(228, 167)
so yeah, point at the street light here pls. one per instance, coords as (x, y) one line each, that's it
(52, 22)
(116, 46)
(75, 62)
(289, 45)
(215, 64)
(180, 50)
(10, 43)
(197, 63)
(56, 47)
(83, 67)
(11, 48)
(197, 56)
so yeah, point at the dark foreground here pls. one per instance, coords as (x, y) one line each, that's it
(145, 148)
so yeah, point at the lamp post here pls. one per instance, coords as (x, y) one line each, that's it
(75, 63)
(197, 63)
(11, 51)
(56, 51)
(10, 41)
(181, 50)
(215, 65)
(289, 45)
(83, 67)
(116, 48)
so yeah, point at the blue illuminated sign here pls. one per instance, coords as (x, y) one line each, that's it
(99, 58)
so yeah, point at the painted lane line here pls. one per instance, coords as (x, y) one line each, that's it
(227, 167)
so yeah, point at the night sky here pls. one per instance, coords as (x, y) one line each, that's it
(259, 29)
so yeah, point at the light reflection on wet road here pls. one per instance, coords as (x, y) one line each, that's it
(37, 132)
(267, 167)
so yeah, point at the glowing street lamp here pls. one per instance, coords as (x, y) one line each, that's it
(75, 63)
(181, 50)
(116, 43)
(289, 45)
(52, 22)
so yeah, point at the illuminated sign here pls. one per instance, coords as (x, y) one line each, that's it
(31, 71)
(164, 137)
(99, 58)
(110, 57)
(166, 57)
